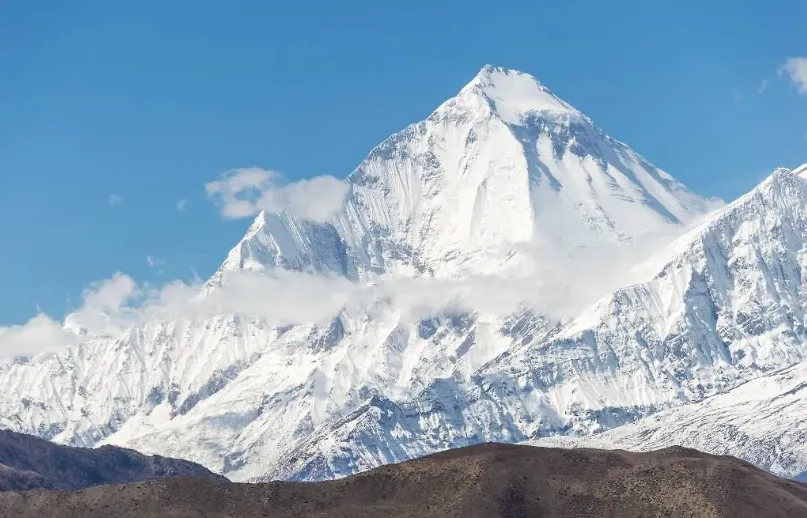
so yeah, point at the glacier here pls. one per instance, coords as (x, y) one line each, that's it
(506, 183)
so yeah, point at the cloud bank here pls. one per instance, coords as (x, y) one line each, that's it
(281, 297)
(245, 192)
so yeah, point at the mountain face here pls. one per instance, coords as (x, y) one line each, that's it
(27, 463)
(485, 481)
(504, 178)
(762, 421)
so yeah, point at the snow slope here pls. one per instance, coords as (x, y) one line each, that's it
(763, 421)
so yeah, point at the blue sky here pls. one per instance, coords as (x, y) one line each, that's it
(115, 116)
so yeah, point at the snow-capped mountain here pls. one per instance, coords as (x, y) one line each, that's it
(501, 177)
(503, 166)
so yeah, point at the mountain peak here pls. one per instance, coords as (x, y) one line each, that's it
(514, 95)
(439, 197)
(488, 70)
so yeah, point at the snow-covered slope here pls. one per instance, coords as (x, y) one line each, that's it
(726, 307)
(499, 177)
(763, 422)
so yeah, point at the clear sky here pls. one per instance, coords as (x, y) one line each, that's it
(113, 115)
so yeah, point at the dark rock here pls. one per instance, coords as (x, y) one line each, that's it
(28, 462)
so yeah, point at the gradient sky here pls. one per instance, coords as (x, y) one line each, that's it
(113, 117)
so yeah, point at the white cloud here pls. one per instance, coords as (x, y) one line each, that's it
(106, 310)
(796, 69)
(112, 306)
(38, 335)
(114, 199)
(245, 192)
(182, 204)
(738, 95)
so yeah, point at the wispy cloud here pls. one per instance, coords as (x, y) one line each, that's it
(796, 69)
(245, 192)
(738, 95)
(155, 263)
(114, 199)
(182, 204)
(762, 86)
